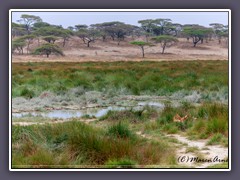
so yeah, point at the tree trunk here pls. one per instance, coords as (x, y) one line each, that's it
(47, 55)
(64, 42)
(103, 38)
(142, 51)
(28, 46)
(219, 41)
(164, 46)
(88, 43)
(146, 38)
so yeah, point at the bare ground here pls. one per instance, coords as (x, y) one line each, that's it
(204, 152)
(76, 51)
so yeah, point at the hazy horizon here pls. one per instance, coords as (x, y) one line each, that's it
(73, 18)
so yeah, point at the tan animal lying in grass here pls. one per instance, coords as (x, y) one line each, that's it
(178, 118)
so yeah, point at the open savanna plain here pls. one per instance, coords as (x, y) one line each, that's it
(119, 114)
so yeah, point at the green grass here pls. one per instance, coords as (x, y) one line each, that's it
(120, 130)
(191, 149)
(122, 163)
(218, 139)
(222, 165)
(211, 120)
(114, 144)
(149, 78)
(75, 144)
(131, 116)
(205, 121)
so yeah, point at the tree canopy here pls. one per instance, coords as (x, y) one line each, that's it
(29, 20)
(141, 44)
(197, 33)
(47, 49)
(165, 41)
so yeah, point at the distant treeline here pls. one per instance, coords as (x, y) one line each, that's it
(163, 31)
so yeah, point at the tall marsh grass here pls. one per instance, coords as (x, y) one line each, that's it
(151, 78)
(74, 144)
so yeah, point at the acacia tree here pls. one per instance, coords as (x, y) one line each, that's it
(88, 35)
(18, 44)
(29, 20)
(102, 30)
(29, 39)
(47, 49)
(165, 41)
(115, 29)
(17, 29)
(147, 26)
(197, 33)
(141, 44)
(51, 33)
(50, 39)
(219, 30)
(66, 34)
(162, 26)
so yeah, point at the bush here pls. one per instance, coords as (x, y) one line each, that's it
(120, 130)
(27, 93)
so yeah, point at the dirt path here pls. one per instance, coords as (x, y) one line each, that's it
(215, 153)
(207, 155)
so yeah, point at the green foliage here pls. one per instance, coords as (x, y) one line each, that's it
(165, 41)
(27, 93)
(120, 130)
(211, 119)
(29, 20)
(122, 163)
(48, 49)
(50, 31)
(76, 144)
(18, 44)
(140, 43)
(164, 79)
(27, 37)
(40, 24)
(197, 33)
(217, 139)
(50, 39)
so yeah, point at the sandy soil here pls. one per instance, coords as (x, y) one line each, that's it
(209, 152)
(76, 51)
(87, 121)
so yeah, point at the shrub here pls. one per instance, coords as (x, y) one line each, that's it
(27, 93)
(120, 130)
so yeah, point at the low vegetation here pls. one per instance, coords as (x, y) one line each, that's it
(164, 78)
(114, 141)
(75, 144)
